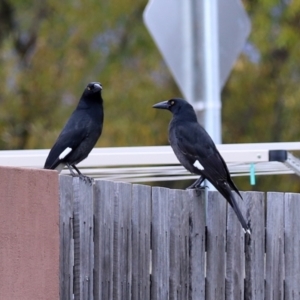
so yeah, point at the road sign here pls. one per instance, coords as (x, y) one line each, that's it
(177, 32)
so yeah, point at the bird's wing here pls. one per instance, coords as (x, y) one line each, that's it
(194, 142)
(67, 142)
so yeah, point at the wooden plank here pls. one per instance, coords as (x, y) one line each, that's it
(160, 237)
(183, 242)
(255, 246)
(83, 240)
(141, 233)
(292, 246)
(66, 237)
(216, 232)
(179, 244)
(122, 264)
(104, 239)
(175, 245)
(275, 247)
(196, 244)
(235, 258)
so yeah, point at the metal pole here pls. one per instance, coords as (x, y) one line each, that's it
(188, 51)
(207, 102)
(212, 90)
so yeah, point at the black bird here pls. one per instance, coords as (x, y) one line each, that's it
(80, 133)
(197, 152)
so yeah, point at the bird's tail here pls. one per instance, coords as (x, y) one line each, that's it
(229, 196)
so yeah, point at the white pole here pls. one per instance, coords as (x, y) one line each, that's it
(212, 90)
(211, 73)
(188, 50)
(201, 64)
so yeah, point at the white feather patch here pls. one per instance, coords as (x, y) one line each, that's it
(247, 231)
(65, 153)
(198, 165)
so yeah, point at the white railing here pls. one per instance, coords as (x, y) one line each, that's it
(156, 163)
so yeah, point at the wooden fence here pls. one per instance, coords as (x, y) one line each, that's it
(129, 241)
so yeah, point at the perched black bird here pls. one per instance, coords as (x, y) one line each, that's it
(80, 133)
(197, 152)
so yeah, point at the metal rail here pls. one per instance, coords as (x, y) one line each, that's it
(158, 163)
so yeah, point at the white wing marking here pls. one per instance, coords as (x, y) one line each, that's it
(198, 165)
(65, 153)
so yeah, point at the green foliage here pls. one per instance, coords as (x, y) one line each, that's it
(261, 100)
(54, 48)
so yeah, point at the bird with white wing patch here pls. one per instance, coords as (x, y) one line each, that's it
(80, 134)
(197, 152)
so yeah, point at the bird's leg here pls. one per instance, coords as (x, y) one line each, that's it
(80, 175)
(83, 177)
(71, 170)
(197, 184)
(77, 170)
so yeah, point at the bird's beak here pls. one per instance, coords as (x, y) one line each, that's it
(98, 86)
(162, 105)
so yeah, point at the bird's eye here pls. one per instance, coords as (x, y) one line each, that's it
(172, 102)
(88, 88)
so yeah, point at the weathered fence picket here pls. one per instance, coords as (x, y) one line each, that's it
(292, 246)
(83, 239)
(235, 257)
(160, 236)
(274, 246)
(216, 231)
(66, 238)
(104, 240)
(255, 246)
(179, 245)
(197, 241)
(129, 241)
(122, 242)
(141, 241)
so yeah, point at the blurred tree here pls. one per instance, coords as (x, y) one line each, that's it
(49, 51)
(261, 101)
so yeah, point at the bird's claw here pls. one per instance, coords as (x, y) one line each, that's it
(84, 178)
(199, 190)
(87, 179)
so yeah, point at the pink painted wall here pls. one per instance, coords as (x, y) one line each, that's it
(29, 234)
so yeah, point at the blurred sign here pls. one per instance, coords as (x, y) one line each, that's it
(177, 28)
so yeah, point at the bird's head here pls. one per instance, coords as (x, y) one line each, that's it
(91, 96)
(176, 106)
(92, 88)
